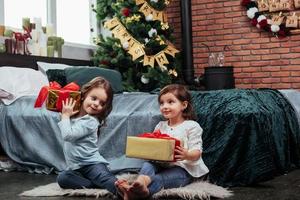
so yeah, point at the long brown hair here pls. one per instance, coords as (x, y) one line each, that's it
(182, 94)
(102, 83)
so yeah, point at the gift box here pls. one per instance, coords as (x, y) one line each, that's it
(54, 95)
(152, 146)
(55, 98)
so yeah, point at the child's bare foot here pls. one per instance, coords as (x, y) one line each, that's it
(122, 187)
(123, 190)
(139, 188)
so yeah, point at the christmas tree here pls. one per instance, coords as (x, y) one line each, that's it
(141, 44)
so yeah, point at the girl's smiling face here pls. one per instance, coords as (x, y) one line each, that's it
(172, 108)
(94, 102)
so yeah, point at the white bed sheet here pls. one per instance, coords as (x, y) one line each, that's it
(18, 82)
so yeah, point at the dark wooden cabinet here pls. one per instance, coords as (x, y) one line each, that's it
(28, 61)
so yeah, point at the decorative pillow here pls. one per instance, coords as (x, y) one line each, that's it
(82, 75)
(57, 75)
(43, 66)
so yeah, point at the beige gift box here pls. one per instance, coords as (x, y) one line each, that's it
(150, 148)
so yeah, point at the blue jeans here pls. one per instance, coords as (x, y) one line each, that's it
(161, 177)
(90, 176)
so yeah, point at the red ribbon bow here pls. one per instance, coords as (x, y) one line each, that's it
(63, 93)
(157, 134)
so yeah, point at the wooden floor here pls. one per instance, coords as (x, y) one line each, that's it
(286, 187)
(3, 158)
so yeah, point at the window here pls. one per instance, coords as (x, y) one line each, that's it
(72, 20)
(15, 10)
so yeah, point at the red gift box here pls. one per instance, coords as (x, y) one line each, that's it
(55, 94)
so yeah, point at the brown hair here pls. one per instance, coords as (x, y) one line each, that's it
(102, 83)
(182, 94)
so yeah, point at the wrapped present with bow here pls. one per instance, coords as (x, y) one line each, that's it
(54, 95)
(152, 146)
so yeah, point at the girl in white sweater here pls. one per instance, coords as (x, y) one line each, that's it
(176, 108)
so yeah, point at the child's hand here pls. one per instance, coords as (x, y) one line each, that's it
(184, 154)
(68, 108)
(181, 153)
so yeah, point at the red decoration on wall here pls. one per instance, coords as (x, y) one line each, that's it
(259, 20)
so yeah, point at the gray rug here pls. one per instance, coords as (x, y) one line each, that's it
(196, 190)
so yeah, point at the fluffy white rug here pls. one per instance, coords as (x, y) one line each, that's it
(197, 190)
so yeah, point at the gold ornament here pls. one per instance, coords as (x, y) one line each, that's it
(161, 42)
(96, 40)
(173, 72)
(164, 26)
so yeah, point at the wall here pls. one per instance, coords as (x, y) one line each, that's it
(259, 59)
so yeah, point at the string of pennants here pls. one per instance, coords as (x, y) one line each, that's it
(135, 48)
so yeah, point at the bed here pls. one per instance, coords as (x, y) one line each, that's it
(249, 135)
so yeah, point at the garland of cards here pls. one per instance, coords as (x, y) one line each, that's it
(261, 21)
(134, 47)
(146, 9)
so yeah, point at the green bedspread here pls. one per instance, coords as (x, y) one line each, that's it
(249, 135)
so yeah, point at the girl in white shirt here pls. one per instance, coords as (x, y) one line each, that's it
(176, 108)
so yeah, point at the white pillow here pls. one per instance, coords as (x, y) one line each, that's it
(43, 66)
(20, 82)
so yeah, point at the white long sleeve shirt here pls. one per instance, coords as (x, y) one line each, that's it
(190, 133)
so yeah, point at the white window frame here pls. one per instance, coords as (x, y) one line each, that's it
(52, 19)
(1, 12)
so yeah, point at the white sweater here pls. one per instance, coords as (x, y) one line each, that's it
(190, 133)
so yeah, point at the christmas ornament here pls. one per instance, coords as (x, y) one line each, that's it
(144, 79)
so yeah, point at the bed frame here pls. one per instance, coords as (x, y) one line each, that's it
(27, 61)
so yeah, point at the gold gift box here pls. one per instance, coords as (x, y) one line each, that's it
(53, 97)
(150, 148)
